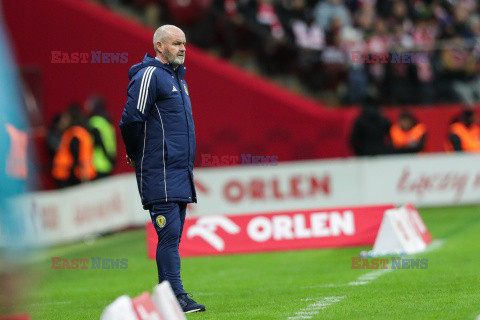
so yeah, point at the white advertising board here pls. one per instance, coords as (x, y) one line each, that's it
(113, 203)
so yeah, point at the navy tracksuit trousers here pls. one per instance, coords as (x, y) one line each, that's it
(168, 219)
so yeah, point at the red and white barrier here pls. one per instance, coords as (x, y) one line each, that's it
(120, 309)
(402, 232)
(292, 230)
(164, 300)
(161, 305)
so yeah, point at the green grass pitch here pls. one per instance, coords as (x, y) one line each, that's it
(297, 285)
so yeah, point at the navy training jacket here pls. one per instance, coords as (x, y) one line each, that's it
(158, 131)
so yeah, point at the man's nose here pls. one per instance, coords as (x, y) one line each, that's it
(182, 48)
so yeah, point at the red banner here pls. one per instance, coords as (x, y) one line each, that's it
(292, 230)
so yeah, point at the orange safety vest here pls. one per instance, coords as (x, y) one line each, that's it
(469, 137)
(17, 156)
(63, 160)
(403, 139)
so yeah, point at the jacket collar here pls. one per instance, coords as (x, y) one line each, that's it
(166, 66)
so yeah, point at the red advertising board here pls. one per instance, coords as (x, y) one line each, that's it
(292, 230)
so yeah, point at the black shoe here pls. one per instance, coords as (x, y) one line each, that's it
(188, 304)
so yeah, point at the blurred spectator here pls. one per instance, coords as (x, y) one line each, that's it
(73, 160)
(267, 16)
(399, 15)
(371, 131)
(103, 132)
(228, 26)
(378, 41)
(309, 36)
(400, 75)
(424, 39)
(365, 15)
(185, 13)
(54, 135)
(459, 64)
(464, 133)
(334, 64)
(275, 53)
(357, 77)
(327, 10)
(310, 40)
(407, 135)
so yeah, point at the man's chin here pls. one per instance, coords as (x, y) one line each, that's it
(179, 61)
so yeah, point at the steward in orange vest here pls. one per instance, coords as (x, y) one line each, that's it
(407, 135)
(73, 161)
(464, 134)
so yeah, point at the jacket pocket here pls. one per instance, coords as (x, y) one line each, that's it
(178, 153)
(165, 151)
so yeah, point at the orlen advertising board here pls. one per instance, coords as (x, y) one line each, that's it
(291, 230)
(424, 180)
(286, 186)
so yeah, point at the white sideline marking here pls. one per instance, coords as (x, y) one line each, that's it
(313, 309)
(434, 245)
(369, 277)
(329, 285)
(360, 281)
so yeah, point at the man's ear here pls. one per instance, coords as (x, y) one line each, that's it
(159, 46)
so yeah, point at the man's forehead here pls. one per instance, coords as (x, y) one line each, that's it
(176, 35)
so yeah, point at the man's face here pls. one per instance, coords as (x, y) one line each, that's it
(405, 123)
(472, 119)
(173, 48)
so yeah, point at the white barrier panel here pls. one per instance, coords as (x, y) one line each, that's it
(120, 309)
(424, 180)
(402, 232)
(71, 214)
(165, 301)
(145, 308)
(161, 305)
(113, 203)
(287, 186)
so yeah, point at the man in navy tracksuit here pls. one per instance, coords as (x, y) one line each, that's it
(159, 135)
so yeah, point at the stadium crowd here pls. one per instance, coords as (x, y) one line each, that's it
(313, 41)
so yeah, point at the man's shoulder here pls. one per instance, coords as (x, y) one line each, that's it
(140, 71)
